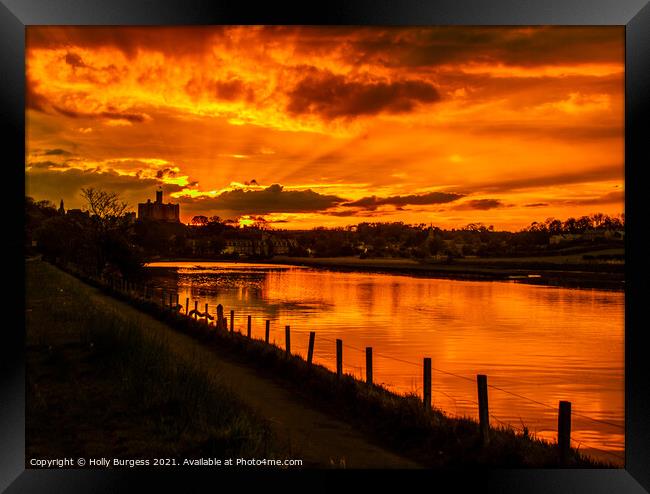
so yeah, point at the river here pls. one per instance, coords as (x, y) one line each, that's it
(537, 344)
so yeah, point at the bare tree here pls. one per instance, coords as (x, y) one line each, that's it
(104, 204)
(107, 209)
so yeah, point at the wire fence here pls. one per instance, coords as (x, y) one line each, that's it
(171, 300)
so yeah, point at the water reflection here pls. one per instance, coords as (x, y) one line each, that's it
(544, 343)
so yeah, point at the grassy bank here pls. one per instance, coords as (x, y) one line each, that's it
(99, 385)
(399, 423)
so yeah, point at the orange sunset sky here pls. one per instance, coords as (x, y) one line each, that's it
(332, 126)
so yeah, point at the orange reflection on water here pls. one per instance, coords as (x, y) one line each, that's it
(538, 345)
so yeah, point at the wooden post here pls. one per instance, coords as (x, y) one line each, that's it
(187, 305)
(248, 332)
(310, 351)
(339, 358)
(219, 321)
(564, 431)
(232, 320)
(196, 308)
(287, 339)
(176, 308)
(426, 391)
(483, 411)
(369, 365)
(267, 331)
(207, 321)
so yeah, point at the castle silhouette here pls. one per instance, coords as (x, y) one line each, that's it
(158, 211)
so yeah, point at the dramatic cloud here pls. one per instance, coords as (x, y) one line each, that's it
(425, 47)
(273, 199)
(616, 197)
(46, 164)
(53, 185)
(390, 46)
(111, 115)
(228, 90)
(609, 172)
(56, 152)
(373, 202)
(333, 96)
(480, 204)
(352, 120)
(74, 60)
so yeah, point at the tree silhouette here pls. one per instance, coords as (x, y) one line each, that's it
(200, 220)
(105, 207)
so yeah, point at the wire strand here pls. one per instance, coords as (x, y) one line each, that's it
(465, 378)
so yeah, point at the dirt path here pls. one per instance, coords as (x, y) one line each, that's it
(313, 436)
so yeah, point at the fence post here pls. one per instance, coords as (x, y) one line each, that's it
(248, 332)
(207, 321)
(310, 351)
(287, 339)
(196, 309)
(219, 316)
(339, 358)
(267, 331)
(176, 308)
(369, 365)
(232, 320)
(564, 431)
(483, 411)
(426, 387)
(187, 305)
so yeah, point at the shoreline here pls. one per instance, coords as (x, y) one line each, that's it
(533, 273)
(398, 423)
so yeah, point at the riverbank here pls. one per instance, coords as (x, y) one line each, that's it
(549, 271)
(101, 384)
(535, 271)
(398, 423)
(106, 380)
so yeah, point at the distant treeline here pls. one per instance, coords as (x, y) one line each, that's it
(107, 238)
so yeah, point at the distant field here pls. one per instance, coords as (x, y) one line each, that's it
(569, 270)
(555, 259)
(352, 261)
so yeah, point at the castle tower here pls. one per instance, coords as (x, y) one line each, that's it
(158, 211)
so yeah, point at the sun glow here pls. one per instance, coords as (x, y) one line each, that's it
(332, 126)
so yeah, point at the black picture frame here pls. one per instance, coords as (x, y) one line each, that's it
(15, 15)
